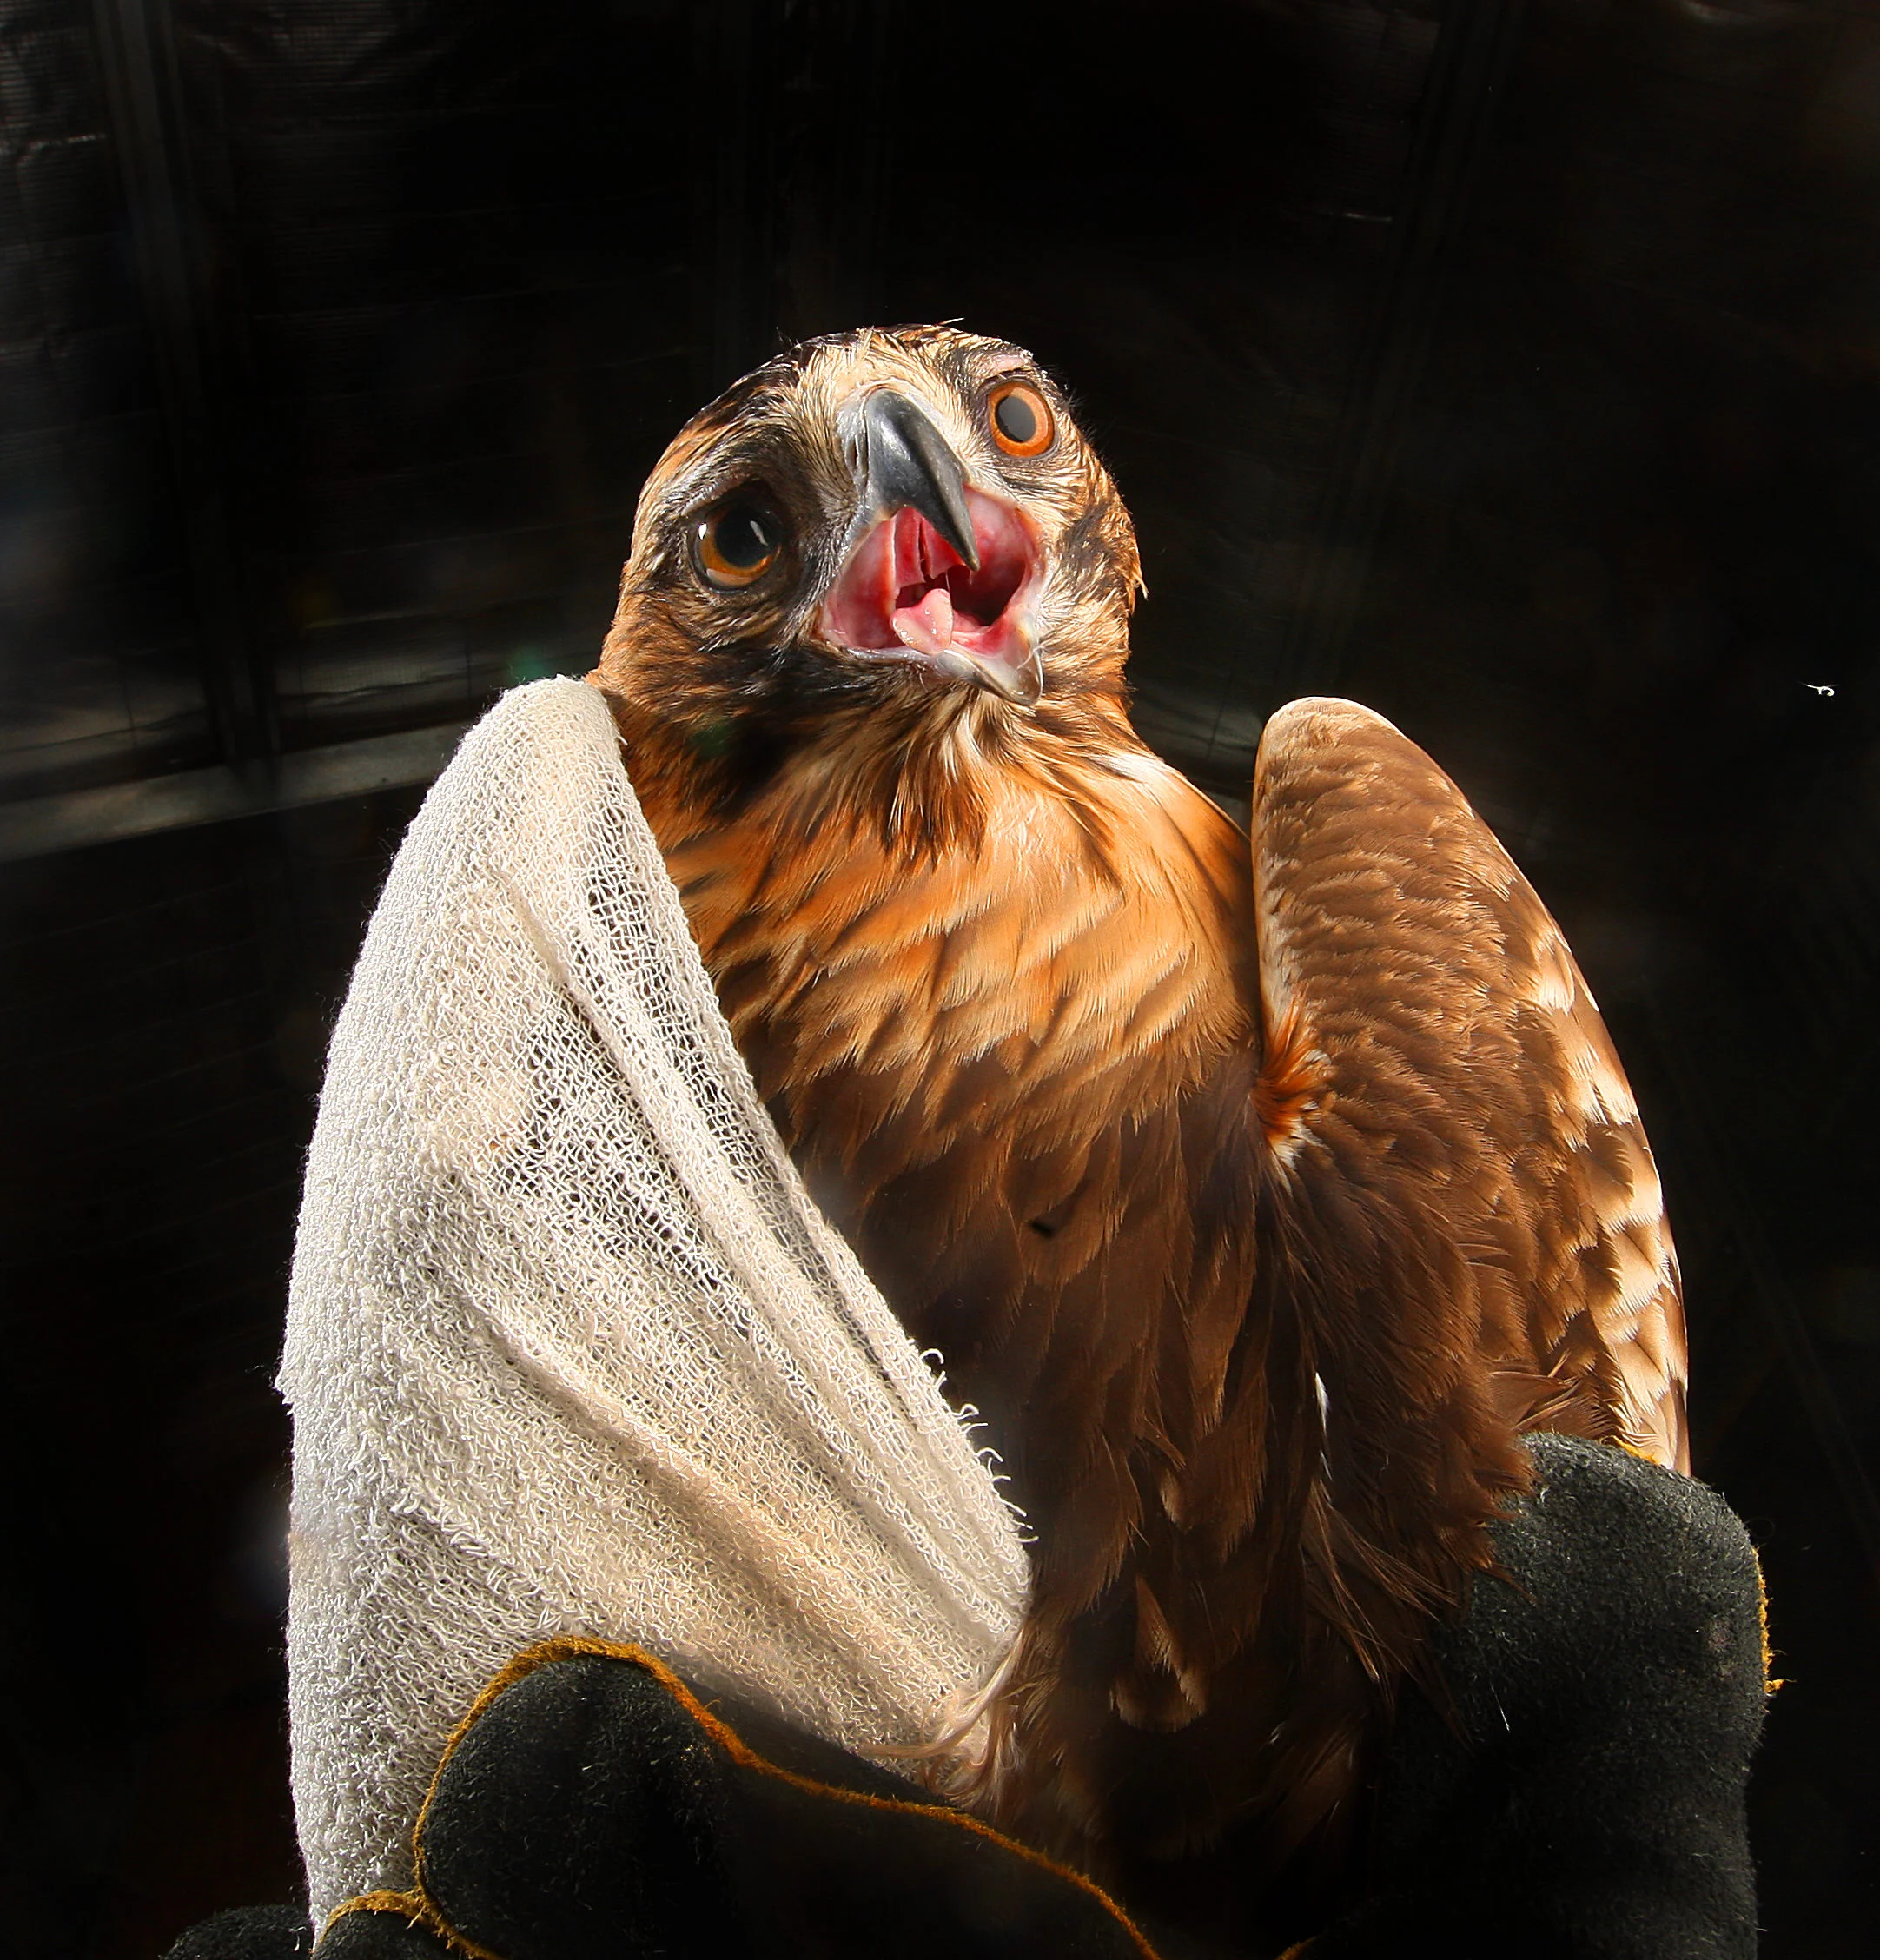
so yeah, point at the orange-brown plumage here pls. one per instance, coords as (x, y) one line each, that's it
(1259, 1199)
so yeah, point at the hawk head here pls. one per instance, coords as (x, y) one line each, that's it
(894, 529)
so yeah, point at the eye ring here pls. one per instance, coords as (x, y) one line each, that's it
(735, 544)
(1020, 418)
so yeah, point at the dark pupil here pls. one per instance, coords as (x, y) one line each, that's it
(1017, 420)
(742, 539)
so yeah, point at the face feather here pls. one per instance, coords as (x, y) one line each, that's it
(893, 549)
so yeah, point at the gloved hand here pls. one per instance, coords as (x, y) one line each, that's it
(592, 1808)
(1577, 1796)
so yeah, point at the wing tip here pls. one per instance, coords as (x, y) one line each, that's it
(1321, 717)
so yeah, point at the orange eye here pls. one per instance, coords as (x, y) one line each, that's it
(1021, 419)
(737, 545)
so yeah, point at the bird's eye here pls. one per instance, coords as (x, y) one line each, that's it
(1021, 419)
(735, 547)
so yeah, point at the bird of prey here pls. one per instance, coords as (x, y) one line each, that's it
(1260, 1194)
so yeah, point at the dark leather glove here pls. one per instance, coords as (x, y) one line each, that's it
(593, 1809)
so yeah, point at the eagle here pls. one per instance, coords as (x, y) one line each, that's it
(1259, 1189)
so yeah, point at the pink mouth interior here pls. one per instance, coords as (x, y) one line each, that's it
(906, 590)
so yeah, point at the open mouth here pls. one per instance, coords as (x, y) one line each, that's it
(906, 594)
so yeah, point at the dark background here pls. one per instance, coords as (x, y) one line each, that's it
(1514, 368)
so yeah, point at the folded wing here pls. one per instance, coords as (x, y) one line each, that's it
(1443, 1103)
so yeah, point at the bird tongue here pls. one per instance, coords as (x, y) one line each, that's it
(927, 626)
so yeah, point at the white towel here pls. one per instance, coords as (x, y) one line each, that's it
(569, 1349)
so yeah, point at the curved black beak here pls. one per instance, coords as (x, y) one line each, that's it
(907, 465)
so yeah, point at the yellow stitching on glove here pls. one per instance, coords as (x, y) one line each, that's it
(1770, 1683)
(412, 1907)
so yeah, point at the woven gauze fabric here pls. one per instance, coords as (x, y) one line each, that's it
(569, 1348)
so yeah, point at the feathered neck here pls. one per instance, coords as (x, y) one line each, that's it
(913, 771)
